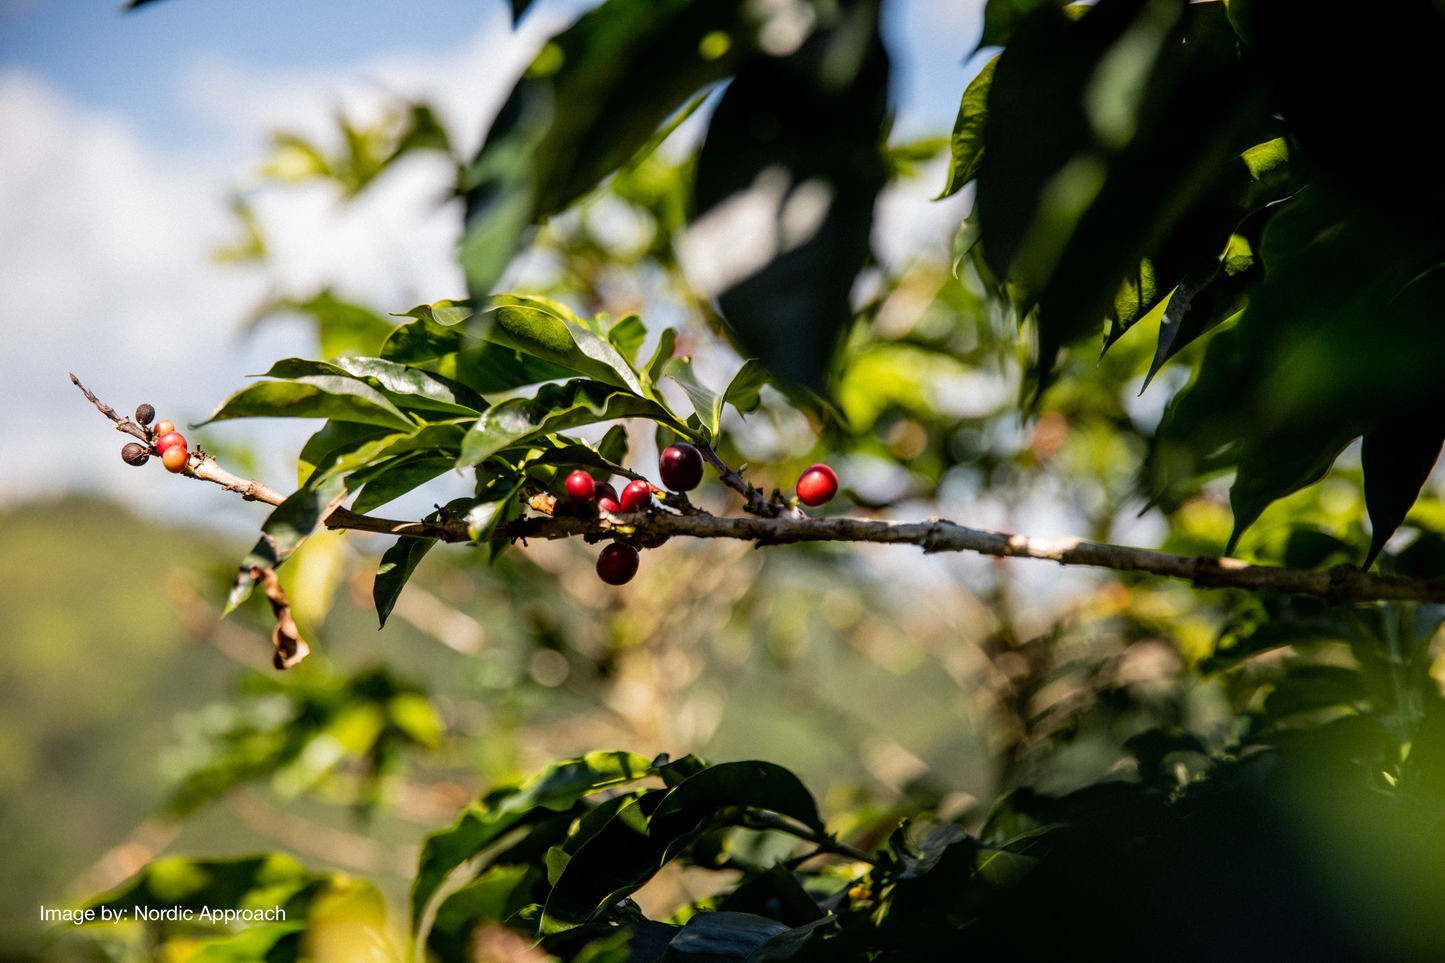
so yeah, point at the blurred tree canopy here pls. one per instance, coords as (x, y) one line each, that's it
(1141, 766)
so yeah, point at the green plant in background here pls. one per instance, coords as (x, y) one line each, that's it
(1161, 759)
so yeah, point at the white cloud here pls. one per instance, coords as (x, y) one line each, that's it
(105, 265)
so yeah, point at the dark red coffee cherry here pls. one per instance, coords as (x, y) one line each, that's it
(680, 467)
(617, 564)
(607, 498)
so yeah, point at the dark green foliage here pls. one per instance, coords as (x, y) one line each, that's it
(1136, 155)
(594, 96)
(1398, 454)
(815, 118)
(372, 717)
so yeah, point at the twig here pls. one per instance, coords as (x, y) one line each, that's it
(756, 503)
(1343, 583)
(121, 423)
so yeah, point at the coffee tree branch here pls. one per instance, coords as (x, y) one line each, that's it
(1343, 583)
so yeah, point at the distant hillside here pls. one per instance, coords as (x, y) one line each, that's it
(100, 646)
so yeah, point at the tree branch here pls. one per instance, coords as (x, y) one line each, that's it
(1343, 583)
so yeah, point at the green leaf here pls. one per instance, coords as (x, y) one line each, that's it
(556, 408)
(744, 391)
(445, 313)
(964, 240)
(1001, 17)
(1309, 688)
(966, 145)
(490, 898)
(613, 446)
(1112, 140)
(827, 104)
(762, 785)
(288, 525)
(1279, 462)
(404, 386)
(706, 404)
(627, 336)
(216, 883)
(1398, 455)
(397, 565)
(342, 328)
(593, 98)
(656, 828)
(661, 356)
(399, 478)
(293, 520)
(254, 944)
(557, 788)
(357, 455)
(437, 331)
(337, 438)
(334, 397)
(776, 894)
(726, 937)
(550, 331)
(576, 455)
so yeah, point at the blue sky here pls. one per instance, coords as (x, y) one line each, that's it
(132, 63)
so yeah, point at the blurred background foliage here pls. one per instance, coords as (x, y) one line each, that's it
(896, 685)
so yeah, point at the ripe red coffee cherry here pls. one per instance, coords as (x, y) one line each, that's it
(162, 428)
(176, 458)
(617, 564)
(636, 496)
(680, 467)
(134, 454)
(607, 498)
(817, 486)
(581, 487)
(168, 440)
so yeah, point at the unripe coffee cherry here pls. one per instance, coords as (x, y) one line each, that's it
(817, 486)
(607, 498)
(617, 564)
(176, 458)
(162, 428)
(680, 467)
(134, 454)
(144, 414)
(636, 496)
(169, 440)
(581, 487)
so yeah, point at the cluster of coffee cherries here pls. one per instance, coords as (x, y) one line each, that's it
(681, 468)
(166, 442)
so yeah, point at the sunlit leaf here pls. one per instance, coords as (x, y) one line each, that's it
(556, 408)
(555, 788)
(706, 404)
(335, 397)
(396, 568)
(966, 145)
